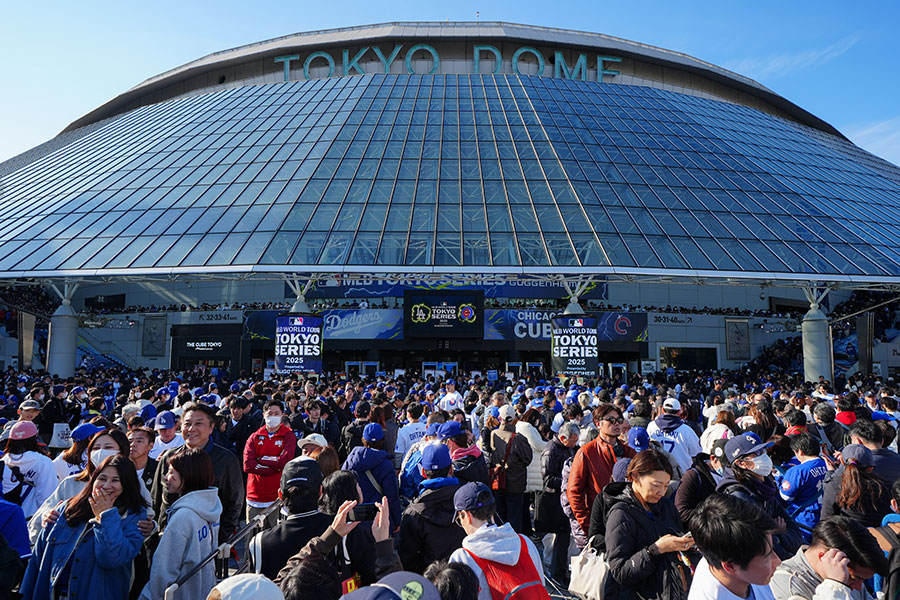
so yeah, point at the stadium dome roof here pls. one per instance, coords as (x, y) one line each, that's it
(453, 174)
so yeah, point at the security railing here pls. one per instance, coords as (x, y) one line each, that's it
(222, 553)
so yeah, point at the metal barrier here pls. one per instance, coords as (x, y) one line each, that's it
(223, 552)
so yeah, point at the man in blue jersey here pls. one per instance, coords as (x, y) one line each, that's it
(801, 486)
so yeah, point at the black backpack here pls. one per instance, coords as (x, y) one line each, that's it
(890, 585)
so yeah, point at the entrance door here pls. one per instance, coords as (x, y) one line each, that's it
(535, 368)
(515, 368)
(370, 368)
(353, 368)
(449, 367)
(618, 369)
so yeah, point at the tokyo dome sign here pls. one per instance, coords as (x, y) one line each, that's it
(581, 66)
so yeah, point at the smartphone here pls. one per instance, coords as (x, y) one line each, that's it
(363, 512)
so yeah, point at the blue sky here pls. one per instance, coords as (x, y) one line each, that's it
(61, 60)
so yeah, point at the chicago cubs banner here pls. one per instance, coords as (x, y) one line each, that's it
(573, 345)
(298, 344)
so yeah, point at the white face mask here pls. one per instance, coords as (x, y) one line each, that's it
(98, 456)
(273, 422)
(762, 465)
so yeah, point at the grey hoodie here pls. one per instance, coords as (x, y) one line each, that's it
(498, 544)
(191, 534)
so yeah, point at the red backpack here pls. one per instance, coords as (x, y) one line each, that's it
(513, 582)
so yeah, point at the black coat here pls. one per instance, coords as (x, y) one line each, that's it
(286, 539)
(553, 458)
(697, 484)
(149, 472)
(630, 532)
(351, 437)
(471, 468)
(238, 434)
(427, 529)
(785, 543)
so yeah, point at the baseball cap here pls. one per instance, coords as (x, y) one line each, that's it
(84, 431)
(373, 432)
(433, 429)
(744, 444)
(472, 495)
(450, 429)
(857, 454)
(494, 411)
(163, 390)
(449, 382)
(77, 390)
(671, 404)
(22, 430)
(315, 439)
(197, 392)
(436, 456)
(363, 409)
(507, 412)
(620, 469)
(58, 389)
(638, 439)
(165, 420)
(30, 405)
(301, 472)
(401, 585)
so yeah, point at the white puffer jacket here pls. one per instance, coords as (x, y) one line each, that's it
(528, 431)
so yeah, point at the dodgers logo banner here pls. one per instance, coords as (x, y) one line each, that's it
(298, 344)
(573, 345)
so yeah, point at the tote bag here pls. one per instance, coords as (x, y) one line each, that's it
(588, 574)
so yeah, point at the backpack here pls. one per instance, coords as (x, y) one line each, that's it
(890, 583)
(520, 581)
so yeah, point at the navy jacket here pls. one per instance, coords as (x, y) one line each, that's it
(381, 465)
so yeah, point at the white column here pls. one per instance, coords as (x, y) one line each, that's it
(818, 349)
(63, 343)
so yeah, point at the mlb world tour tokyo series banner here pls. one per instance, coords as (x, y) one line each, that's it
(573, 345)
(298, 344)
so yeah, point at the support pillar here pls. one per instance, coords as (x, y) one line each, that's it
(300, 289)
(574, 307)
(818, 349)
(62, 345)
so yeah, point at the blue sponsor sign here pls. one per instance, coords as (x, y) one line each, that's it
(364, 324)
(298, 344)
(493, 288)
(510, 324)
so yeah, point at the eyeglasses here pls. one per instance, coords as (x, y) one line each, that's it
(614, 420)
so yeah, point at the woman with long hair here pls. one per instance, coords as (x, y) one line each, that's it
(28, 473)
(383, 414)
(863, 496)
(491, 422)
(101, 446)
(327, 457)
(192, 528)
(723, 427)
(355, 558)
(88, 551)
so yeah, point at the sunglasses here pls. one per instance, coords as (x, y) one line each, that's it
(614, 420)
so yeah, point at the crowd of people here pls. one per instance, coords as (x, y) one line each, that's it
(746, 484)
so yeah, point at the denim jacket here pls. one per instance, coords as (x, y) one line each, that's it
(102, 552)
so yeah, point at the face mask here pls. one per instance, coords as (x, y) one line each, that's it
(273, 422)
(762, 465)
(720, 471)
(98, 456)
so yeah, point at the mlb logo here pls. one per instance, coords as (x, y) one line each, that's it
(296, 321)
(576, 322)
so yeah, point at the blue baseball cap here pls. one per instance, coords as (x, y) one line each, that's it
(235, 387)
(197, 392)
(85, 430)
(373, 432)
(450, 429)
(390, 388)
(162, 390)
(165, 420)
(494, 411)
(435, 456)
(520, 389)
(433, 429)
(638, 439)
(473, 495)
(77, 389)
(744, 444)
(449, 382)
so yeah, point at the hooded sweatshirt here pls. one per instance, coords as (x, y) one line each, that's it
(498, 544)
(191, 535)
(469, 465)
(39, 476)
(677, 438)
(381, 465)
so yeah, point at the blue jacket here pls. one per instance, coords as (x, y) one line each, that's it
(101, 560)
(379, 462)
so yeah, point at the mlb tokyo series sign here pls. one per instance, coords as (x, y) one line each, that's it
(298, 344)
(573, 345)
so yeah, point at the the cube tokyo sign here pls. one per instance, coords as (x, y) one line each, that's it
(573, 345)
(350, 64)
(298, 344)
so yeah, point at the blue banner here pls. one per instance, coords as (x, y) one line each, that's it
(298, 344)
(509, 324)
(363, 324)
(493, 288)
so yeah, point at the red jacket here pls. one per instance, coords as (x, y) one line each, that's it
(264, 458)
(591, 471)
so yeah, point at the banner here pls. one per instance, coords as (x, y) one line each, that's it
(534, 324)
(298, 344)
(493, 287)
(573, 345)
